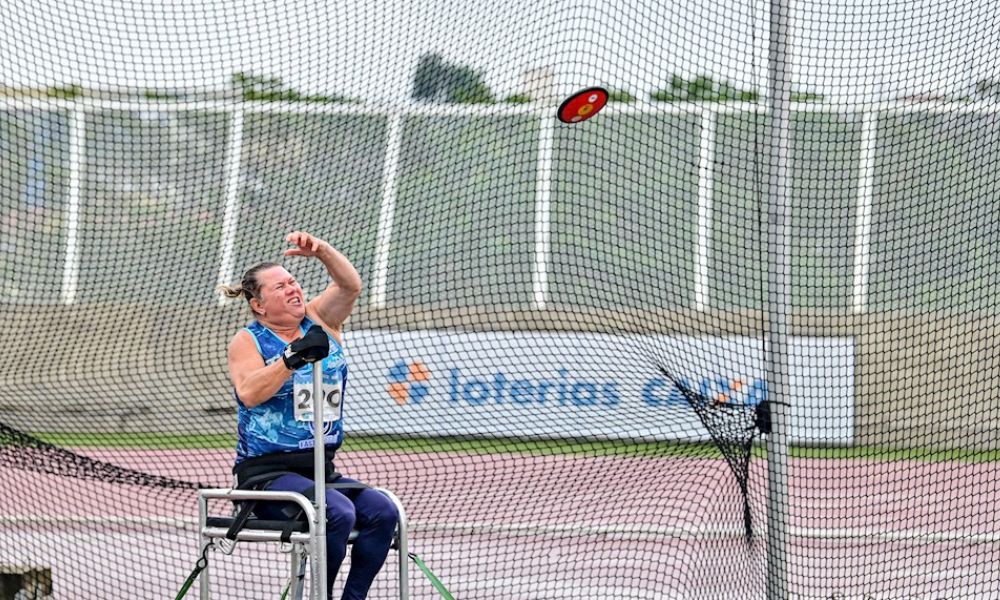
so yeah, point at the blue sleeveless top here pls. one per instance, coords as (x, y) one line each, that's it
(272, 426)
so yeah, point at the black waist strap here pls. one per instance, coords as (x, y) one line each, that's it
(254, 473)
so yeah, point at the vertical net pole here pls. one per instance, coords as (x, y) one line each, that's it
(778, 207)
(319, 480)
(543, 214)
(231, 212)
(77, 147)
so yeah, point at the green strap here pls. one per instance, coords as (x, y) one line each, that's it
(198, 568)
(433, 578)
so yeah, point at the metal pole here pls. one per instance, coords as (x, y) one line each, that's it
(779, 213)
(231, 212)
(204, 584)
(319, 481)
(77, 148)
(543, 214)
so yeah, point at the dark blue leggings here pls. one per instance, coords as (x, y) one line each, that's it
(367, 510)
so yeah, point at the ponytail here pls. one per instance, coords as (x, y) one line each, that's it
(249, 287)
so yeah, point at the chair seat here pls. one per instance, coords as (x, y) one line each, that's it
(254, 523)
(260, 524)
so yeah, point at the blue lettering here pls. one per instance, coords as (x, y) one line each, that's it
(543, 389)
(563, 373)
(522, 391)
(564, 390)
(610, 393)
(498, 384)
(475, 391)
(584, 394)
(453, 383)
(675, 396)
(651, 390)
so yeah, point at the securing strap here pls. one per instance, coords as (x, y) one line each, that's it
(247, 506)
(246, 509)
(199, 566)
(432, 577)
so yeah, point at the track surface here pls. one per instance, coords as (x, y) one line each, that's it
(512, 526)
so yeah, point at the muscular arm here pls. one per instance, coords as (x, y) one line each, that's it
(254, 381)
(336, 302)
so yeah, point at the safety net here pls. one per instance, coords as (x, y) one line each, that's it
(732, 335)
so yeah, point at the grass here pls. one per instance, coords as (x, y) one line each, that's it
(151, 441)
(538, 447)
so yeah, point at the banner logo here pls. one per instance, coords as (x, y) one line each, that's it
(408, 382)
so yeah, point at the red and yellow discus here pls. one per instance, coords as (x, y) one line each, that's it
(582, 105)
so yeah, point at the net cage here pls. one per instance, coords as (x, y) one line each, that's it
(733, 337)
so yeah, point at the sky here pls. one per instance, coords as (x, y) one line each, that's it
(848, 50)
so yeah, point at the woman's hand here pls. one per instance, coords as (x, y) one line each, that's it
(307, 244)
(336, 302)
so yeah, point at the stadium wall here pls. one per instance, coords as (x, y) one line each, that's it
(920, 381)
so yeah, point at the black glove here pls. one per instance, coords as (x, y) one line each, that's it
(309, 348)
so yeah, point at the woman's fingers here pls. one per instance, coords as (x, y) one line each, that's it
(308, 244)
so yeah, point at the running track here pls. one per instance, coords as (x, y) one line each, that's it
(517, 527)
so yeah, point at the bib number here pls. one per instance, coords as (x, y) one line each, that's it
(303, 398)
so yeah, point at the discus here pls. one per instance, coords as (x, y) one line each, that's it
(582, 105)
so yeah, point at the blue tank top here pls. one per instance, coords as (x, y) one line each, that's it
(283, 422)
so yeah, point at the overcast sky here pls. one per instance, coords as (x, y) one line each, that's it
(368, 49)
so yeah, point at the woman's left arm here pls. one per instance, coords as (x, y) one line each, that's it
(336, 302)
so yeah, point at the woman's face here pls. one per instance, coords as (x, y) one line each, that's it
(281, 299)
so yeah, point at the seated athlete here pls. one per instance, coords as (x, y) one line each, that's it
(270, 364)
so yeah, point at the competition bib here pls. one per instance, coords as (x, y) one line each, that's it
(302, 397)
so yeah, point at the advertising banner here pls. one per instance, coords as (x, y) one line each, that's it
(556, 385)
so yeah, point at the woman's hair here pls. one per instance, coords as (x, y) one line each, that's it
(249, 287)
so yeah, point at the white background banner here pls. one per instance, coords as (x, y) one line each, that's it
(531, 384)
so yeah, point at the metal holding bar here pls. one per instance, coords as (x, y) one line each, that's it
(204, 583)
(318, 550)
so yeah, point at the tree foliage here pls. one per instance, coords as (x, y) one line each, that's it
(438, 81)
(702, 89)
(705, 89)
(620, 96)
(273, 89)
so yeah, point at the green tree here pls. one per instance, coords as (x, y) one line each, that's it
(620, 96)
(272, 89)
(517, 99)
(438, 81)
(66, 92)
(468, 87)
(702, 89)
(427, 78)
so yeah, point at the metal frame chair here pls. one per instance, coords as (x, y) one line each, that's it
(302, 537)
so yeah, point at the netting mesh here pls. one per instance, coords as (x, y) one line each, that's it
(565, 334)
